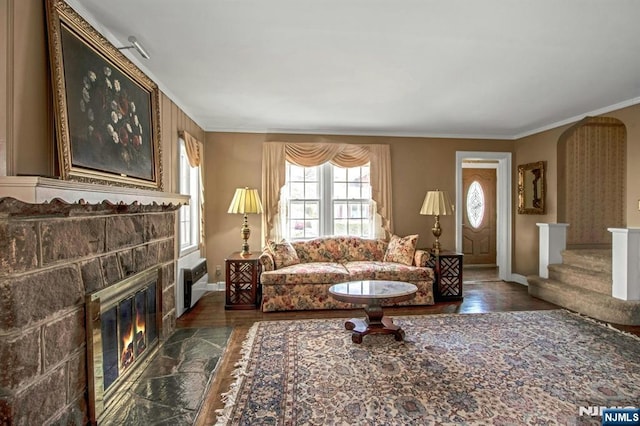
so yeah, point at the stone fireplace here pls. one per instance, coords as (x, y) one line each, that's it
(54, 256)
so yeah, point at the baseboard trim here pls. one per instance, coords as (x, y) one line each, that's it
(520, 279)
(217, 286)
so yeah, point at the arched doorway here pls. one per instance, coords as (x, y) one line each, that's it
(591, 181)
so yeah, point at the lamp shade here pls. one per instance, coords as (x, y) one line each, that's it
(437, 203)
(245, 201)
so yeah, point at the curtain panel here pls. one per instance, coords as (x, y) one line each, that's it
(275, 155)
(195, 155)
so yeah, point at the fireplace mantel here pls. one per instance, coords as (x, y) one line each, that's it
(41, 190)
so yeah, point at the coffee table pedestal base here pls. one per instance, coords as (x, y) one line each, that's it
(375, 323)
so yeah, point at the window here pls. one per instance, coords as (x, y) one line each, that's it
(189, 214)
(326, 200)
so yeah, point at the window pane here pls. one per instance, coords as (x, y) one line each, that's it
(354, 190)
(366, 208)
(354, 211)
(366, 192)
(365, 174)
(340, 227)
(312, 229)
(355, 228)
(312, 210)
(296, 173)
(339, 174)
(311, 173)
(340, 210)
(297, 190)
(312, 190)
(297, 210)
(339, 191)
(298, 229)
(184, 235)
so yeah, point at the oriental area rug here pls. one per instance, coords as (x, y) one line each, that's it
(508, 368)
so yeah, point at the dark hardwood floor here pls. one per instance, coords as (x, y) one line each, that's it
(480, 295)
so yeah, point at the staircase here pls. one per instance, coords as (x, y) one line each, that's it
(582, 283)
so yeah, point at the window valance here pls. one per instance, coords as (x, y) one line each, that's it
(194, 148)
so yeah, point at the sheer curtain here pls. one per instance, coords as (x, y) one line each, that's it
(195, 155)
(275, 155)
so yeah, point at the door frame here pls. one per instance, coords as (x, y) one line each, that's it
(503, 205)
(494, 166)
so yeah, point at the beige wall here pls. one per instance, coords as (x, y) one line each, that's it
(418, 165)
(25, 132)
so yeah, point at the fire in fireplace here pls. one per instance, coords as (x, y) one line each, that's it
(123, 323)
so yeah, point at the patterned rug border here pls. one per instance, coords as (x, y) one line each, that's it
(229, 398)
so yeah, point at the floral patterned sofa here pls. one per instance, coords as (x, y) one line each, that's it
(297, 275)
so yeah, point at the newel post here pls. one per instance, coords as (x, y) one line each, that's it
(625, 263)
(553, 239)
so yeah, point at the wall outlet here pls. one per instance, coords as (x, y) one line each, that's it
(218, 270)
(638, 204)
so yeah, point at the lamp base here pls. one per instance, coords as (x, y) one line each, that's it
(437, 231)
(246, 233)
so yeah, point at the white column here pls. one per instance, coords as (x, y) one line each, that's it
(625, 263)
(553, 239)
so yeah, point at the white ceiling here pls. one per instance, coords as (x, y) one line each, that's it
(452, 68)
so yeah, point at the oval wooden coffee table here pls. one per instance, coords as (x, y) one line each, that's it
(373, 294)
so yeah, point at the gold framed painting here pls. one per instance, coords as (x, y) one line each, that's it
(106, 110)
(531, 188)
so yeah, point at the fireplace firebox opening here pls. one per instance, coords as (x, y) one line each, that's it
(123, 329)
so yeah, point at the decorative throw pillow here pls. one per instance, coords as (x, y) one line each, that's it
(401, 249)
(283, 254)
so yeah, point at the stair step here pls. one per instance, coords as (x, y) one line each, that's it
(592, 280)
(586, 302)
(592, 259)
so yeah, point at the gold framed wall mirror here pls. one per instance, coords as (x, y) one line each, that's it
(531, 188)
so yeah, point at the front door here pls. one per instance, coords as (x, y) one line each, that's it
(479, 216)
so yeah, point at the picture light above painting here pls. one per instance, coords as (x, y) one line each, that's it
(531, 188)
(106, 110)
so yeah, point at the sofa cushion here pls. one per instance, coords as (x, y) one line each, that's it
(322, 249)
(401, 249)
(389, 271)
(307, 273)
(358, 248)
(283, 254)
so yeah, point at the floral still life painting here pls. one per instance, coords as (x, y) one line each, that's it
(105, 122)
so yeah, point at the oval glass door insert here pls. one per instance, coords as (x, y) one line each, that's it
(475, 204)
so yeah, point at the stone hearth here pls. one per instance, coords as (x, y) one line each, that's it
(52, 255)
